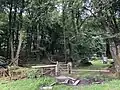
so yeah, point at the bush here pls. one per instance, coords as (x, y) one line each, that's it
(85, 62)
(34, 73)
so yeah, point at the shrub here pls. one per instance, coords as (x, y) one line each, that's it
(34, 73)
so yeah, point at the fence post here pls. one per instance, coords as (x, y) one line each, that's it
(69, 67)
(57, 68)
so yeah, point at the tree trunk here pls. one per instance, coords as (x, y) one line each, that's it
(18, 50)
(20, 37)
(29, 40)
(64, 29)
(9, 42)
(38, 42)
(15, 29)
(115, 52)
(15, 60)
(108, 53)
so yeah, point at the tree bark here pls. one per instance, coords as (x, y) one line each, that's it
(15, 61)
(108, 53)
(115, 52)
(64, 29)
(18, 50)
(9, 42)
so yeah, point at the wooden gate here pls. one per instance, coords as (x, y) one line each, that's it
(64, 68)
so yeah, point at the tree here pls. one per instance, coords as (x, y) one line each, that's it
(107, 14)
(51, 27)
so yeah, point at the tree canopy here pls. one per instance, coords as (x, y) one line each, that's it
(72, 28)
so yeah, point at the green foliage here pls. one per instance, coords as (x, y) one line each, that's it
(32, 74)
(3, 61)
(56, 26)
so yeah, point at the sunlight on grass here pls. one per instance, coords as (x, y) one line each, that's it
(96, 65)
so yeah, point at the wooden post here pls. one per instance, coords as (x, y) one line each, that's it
(42, 71)
(57, 68)
(69, 67)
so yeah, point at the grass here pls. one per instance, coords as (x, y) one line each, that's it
(97, 65)
(26, 84)
(34, 84)
(112, 85)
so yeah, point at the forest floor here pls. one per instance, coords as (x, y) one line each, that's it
(34, 84)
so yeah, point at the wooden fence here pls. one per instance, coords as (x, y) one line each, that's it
(57, 69)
